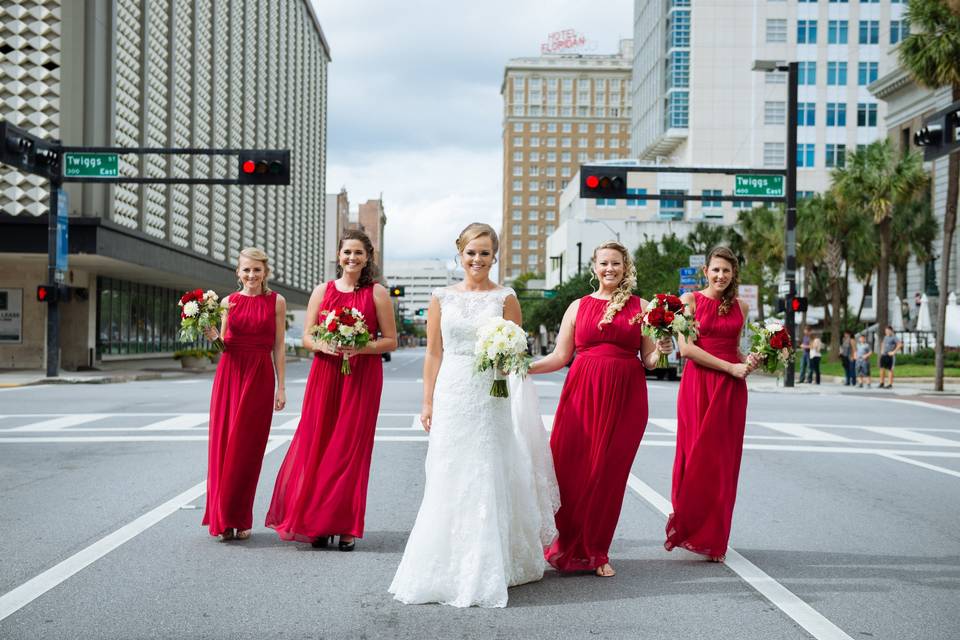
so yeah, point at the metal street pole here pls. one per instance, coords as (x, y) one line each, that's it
(53, 307)
(790, 218)
(579, 256)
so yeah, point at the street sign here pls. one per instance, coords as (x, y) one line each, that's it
(687, 289)
(750, 294)
(689, 280)
(91, 165)
(63, 226)
(698, 260)
(687, 271)
(549, 293)
(758, 185)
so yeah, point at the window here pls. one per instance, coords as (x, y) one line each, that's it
(516, 244)
(836, 155)
(518, 185)
(678, 29)
(599, 128)
(518, 142)
(516, 258)
(806, 73)
(743, 204)
(678, 110)
(583, 142)
(866, 73)
(517, 214)
(549, 229)
(567, 127)
(518, 170)
(534, 185)
(551, 156)
(532, 260)
(565, 156)
(866, 115)
(869, 32)
(552, 200)
(566, 142)
(551, 215)
(678, 69)
(135, 318)
(599, 143)
(532, 229)
(614, 128)
(805, 155)
(636, 202)
(518, 156)
(807, 114)
(516, 201)
(774, 112)
(533, 201)
(516, 229)
(533, 215)
(775, 77)
(534, 127)
(518, 127)
(837, 73)
(899, 29)
(534, 141)
(838, 1)
(774, 154)
(712, 204)
(776, 30)
(551, 142)
(606, 202)
(806, 31)
(614, 143)
(836, 114)
(534, 170)
(672, 209)
(837, 32)
(582, 128)
(533, 244)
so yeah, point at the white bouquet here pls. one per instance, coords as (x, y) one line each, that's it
(501, 346)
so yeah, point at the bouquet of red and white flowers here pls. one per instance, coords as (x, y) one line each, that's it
(771, 344)
(502, 346)
(343, 327)
(200, 311)
(665, 317)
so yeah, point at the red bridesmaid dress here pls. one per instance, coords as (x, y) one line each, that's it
(596, 432)
(321, 488)
(241, 410)
(711, 418)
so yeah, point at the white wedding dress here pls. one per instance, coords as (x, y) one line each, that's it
(491, 493)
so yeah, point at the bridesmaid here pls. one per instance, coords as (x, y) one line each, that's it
(602, 412)
(321, 488)
(243, 388)
(711, 414)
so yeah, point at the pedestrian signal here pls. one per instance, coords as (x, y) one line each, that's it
(47, 293)
(421, 312)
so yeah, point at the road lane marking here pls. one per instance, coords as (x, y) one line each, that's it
(812, 621)
(914, 436)
(667, 424)
(923, 465)
(802, 432)
(925, 405)
(178, 423)
(16, 599)
(56, 424)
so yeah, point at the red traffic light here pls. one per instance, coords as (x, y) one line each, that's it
(603, 182)
(268, 166)
(249, 166)
(593, 182)
(46, 293)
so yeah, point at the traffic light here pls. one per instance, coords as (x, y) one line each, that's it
(48, 293)
(603, 182)
(264, 167)
(28, 152)
(940, 133)
(397, 292)
(797, 304)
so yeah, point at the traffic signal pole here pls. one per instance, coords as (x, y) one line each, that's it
(790, 218)
(54, 278)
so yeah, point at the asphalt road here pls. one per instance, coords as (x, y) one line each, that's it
(846, 526)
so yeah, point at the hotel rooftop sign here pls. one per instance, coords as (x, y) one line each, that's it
(566, 41)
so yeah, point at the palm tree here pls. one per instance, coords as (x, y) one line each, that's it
(932, 55)
(915, 228)
(875, 180)
(760, 242)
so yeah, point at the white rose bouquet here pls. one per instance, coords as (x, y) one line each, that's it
(199, 311)
(501, 346)
(344, 327)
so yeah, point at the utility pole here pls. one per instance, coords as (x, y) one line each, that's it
(790, 217)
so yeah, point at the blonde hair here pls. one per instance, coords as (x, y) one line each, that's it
(476, 230)
(730, 293)
(255, 253)
(624, 289)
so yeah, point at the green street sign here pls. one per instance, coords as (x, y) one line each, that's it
(549, 293)
(758, 185)
(91, 165)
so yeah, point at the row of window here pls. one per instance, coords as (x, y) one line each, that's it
(837, 31)
(678, 110)
(846, 1)
(534, 171)
(566, 98)
(136, 318)
(836, 112)
(567, 143)
(551, 156)
(566, 127)
(534, 215)
(600, 85)
(569, 112)
(583, 156)
(836, 73)
(869, 31)
(532, 229)
(536, 185)
(774, 155)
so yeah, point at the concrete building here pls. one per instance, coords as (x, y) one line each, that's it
(419, 278)
(337, 216)
(371, 219)
(230, 74)
(696, 101)
(559, 111)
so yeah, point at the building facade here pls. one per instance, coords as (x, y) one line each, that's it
(559, 111)
(418, 278)
(696, 101)
(202, 74)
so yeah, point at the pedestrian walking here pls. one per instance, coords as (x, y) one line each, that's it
(816, 348)
(805, 358)
(711, 414)
(890, 346)
(602, 413)
(864, 353)
(321, 489)
(244, 397)
(848, 359)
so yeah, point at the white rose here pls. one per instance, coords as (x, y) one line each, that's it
(191, 309)
(346, 331)
(773, 327)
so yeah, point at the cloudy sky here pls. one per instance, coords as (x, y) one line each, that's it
(415, 107)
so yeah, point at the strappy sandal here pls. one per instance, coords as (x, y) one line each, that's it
(605, 573)
(718, 558)
(243, 535)
(227, 535)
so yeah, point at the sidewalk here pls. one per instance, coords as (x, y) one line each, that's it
(834, 385)
(106, 373)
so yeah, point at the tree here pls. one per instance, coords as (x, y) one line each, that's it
(915, 228)
(931, 53)
(875, 180)
(657, 265)
(549, 311)
(705, 236)
(760, 242)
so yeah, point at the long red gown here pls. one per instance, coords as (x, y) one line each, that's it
(596, 432)
(711, 417)
(241, 410)
(321, 488)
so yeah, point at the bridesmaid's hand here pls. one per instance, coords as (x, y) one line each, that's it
(280, 399)
(752, 362)
(319, 346)
(211, 333)
(349, 352)
(426, 417)
(665, 345)
(738, 370)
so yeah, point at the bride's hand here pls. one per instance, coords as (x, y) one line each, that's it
(426, 417)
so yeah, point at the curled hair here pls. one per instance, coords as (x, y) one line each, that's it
(370, 272)
(730, 293)
(255, 253)
(476, 230)
(624, 289)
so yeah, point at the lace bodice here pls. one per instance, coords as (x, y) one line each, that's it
(462, 313)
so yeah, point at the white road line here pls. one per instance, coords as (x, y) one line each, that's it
(799, 611)
(178, 423)
(546, 383)
(667, 424)
(289, 424)
(924, 465)
(55, 424)
(914, 436)
(925, 405)
(186, 381)
(16, 599)
(802, 432)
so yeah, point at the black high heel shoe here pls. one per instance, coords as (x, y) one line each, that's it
(347, 546)
(321, 542)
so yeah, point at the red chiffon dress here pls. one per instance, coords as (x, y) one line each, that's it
(241, 410)
(321, 488)
(711, 417)
(596, 432)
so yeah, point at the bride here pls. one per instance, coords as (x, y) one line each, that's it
(491, 493)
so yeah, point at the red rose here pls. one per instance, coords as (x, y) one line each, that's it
(668, 317)
(655, 317)
(198, 294)
(776, 341)
(674, 303)
(187, 297)
(348, 319)
(332, 324)
(661, 298)
(784, 338)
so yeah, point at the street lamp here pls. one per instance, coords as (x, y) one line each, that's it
(554, 260)
(790, 220)
(612, 230)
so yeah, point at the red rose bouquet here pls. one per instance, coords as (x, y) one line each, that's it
(344, 327)
(665, 317)
(200, 311)
(771, 344)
